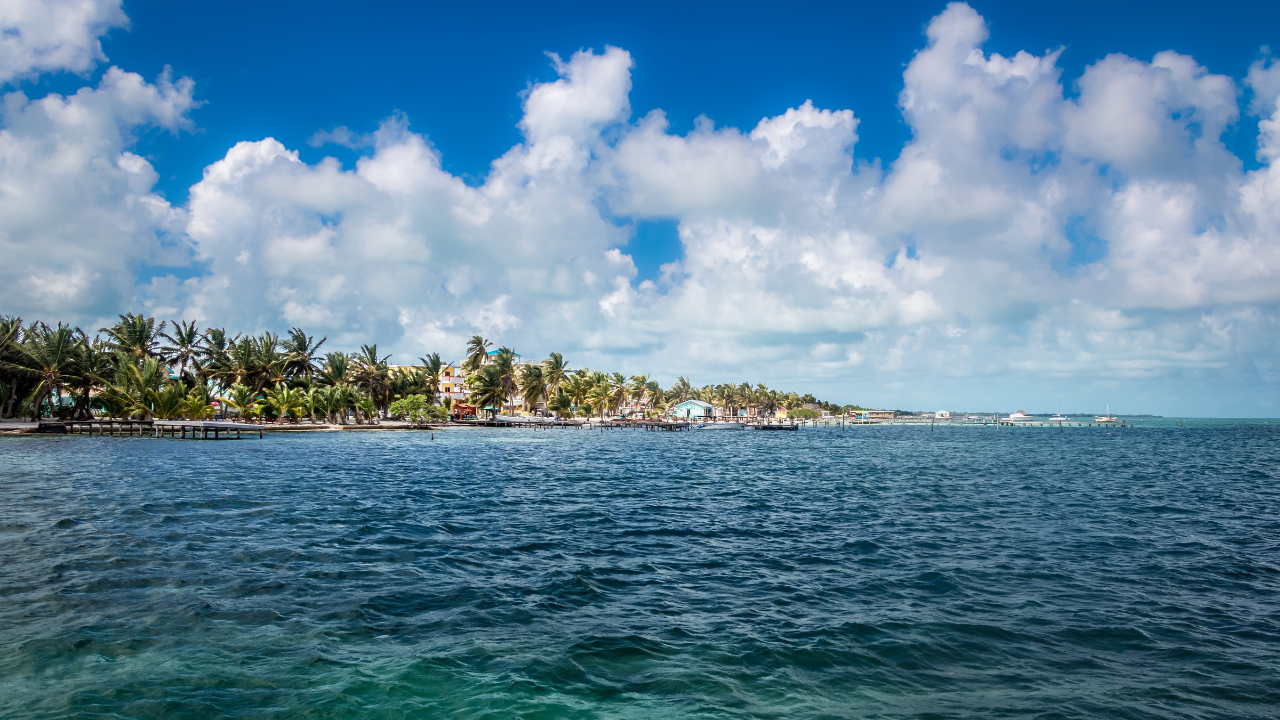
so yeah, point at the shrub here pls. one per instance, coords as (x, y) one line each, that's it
(418, 409)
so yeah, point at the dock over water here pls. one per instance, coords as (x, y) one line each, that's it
(181, 429)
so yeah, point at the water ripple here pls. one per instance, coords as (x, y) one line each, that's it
(882, 572)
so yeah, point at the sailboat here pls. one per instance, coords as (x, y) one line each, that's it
(1059, 418)
(1105, 418)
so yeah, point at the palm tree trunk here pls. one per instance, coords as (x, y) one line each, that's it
(13, 396)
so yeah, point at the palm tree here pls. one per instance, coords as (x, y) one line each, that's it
(533, 385)
(300, 354)
(617, 392)
(271, 364)
(198, 404)
(214, 359)
(601, 396)
(312, 400)
(682, 389)
(183, 347)
(477, 349)
(373, 376)
(575, 388)
(96, 365)
(170, 402)
(239, 398)
(559, 403)
(135, 335)
(487, 388)
(555, 370)
(335, 370)
(638, 388)
(10, 354)
(284, 400)
(135, 389)
(433, 366)
(52, 358)
(505, 362)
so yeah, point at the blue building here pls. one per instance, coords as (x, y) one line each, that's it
(692, 409)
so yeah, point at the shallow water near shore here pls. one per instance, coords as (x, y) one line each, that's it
(873, 572)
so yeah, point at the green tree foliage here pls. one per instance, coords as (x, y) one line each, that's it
(142, 368)
(418, 409)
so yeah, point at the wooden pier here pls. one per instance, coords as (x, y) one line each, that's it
(202, 429)
(181, 429)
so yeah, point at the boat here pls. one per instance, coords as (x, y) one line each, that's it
(1058, 419)
(1106, 418)
(718, 426)
(1018, 417)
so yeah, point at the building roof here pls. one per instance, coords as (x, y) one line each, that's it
(495, 352)
(699, 403)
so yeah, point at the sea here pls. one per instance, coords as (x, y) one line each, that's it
(858, 572)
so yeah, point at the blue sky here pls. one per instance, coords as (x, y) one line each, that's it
(286, 70)
(457, 80)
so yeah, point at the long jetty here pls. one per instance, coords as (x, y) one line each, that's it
(198, 429)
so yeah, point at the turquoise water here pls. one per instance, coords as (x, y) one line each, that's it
(875, 572)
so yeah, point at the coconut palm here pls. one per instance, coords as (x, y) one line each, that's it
(618, 391)
(505, 361)
(555, 370)
(199, 402)
(432, 365)
(575, 388)
(335, 370)
(10, 354)
(487, 388)
(559, 403)
(51, 358)
(601, 397)
(170, 402)
(370, 409)
(212, 355)
(638, 388)
(300, 354)
(285, 401)
(134, 390)
(683, 389)
(184, 345)
(477, 351)
(312, 400)
(373, 377)
(533, 385)
(135, 335)
(239, 398)
(271, 362)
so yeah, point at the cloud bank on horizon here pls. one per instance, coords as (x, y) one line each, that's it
(1021, 233)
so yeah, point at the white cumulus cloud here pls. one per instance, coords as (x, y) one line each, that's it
(1022, 237)
(50, 35)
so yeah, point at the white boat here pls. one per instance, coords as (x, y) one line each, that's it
(1106, 418)
(1058, 419)
(718, 426)
(1020, 416)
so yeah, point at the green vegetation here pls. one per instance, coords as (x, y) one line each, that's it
(135, 369)
(418, 409)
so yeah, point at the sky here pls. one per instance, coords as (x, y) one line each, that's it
(982, 206)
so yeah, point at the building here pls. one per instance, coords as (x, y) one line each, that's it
(943, 415)
(692, 409)
(452, 383)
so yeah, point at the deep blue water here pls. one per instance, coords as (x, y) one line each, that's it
(878, 572)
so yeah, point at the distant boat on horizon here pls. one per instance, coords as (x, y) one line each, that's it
(1106, 418)
(1020, 416)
